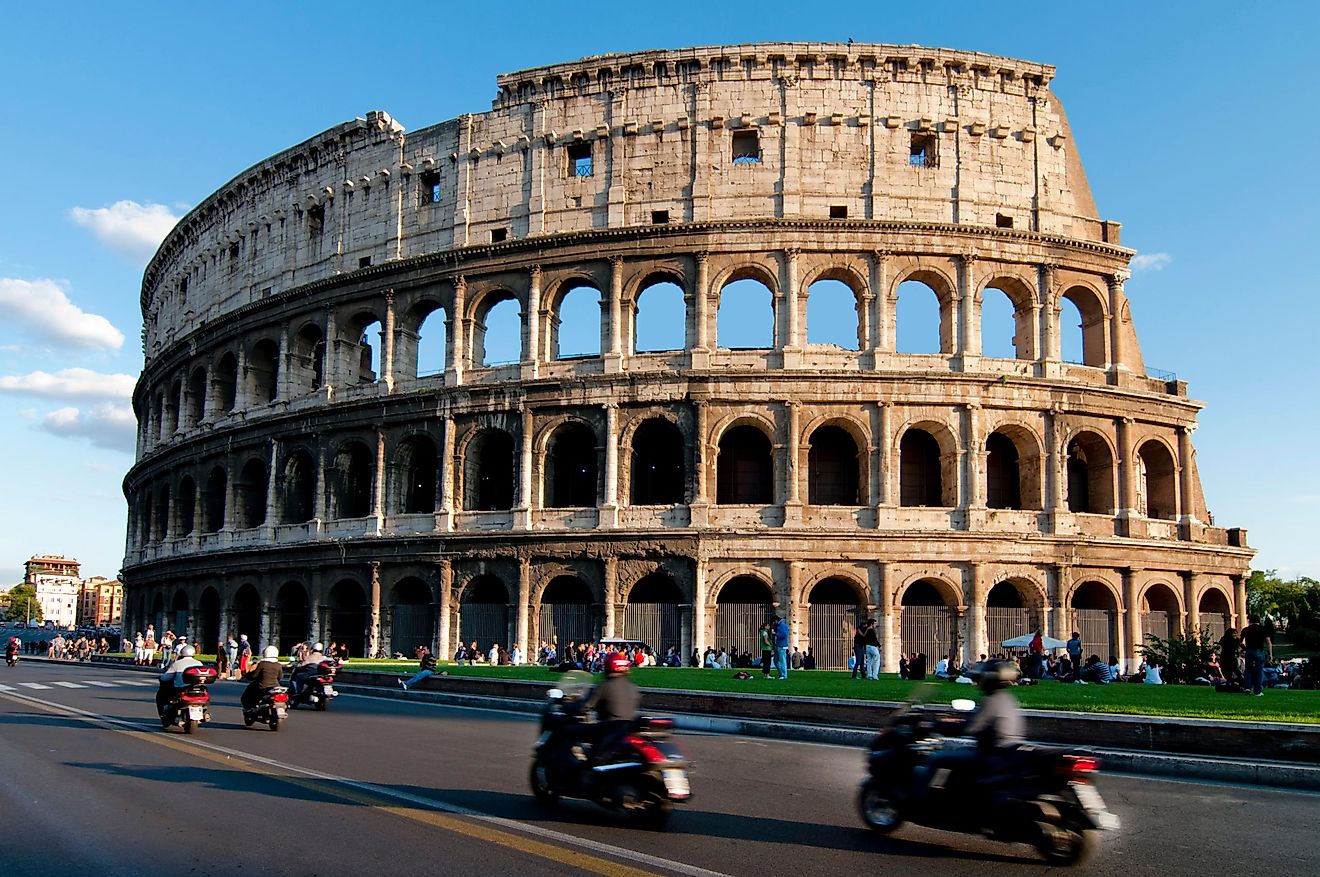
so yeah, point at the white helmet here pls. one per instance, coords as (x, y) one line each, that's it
(271, 652)
(318, 647)
(187, 652)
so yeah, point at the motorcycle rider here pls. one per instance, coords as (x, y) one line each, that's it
(263, 675)
(616, 701)
(171, 679)
(11, 649)
(997, 726)
(312, 659)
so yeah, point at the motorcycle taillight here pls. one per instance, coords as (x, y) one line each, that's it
(280, 698)
(1072, 765)
(646, 748)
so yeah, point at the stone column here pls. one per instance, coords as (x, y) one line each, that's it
(378, 486)
(387, 334)
(531, 366)
(272, 490)
(609, 511)
(524, 602)
(1127, 477)
(1053, 474)
(969, 339)
(790, 612)
(445, 570)
(445, 518)
(700, 500)
(613, 349)
(788, 331)
(889, 645)
(455, 331)
(319, 497)
(883, 302)
(976, 632)
(699, 639)
(241, 396)
(973, 492)
(284, 359)
(611, 565)
(1186, 482)
(792, 463)
(700, 347)
(373, 635)
(522, 515)
(1240, 601)
(1118, 353)
(329, 355)
(1131, 618)
(1048, 351)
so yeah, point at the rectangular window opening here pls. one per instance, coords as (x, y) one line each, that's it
(838, 211)
(746, 147)
(364, 262)
(316, 220)
(659, 217)
(499, 235)
(429, 188)
(922, 152)
(1002, 221)
(579, 159)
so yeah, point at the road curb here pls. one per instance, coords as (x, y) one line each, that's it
(1285, 775)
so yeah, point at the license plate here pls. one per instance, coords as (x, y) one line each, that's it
(676, 783)
(279, 711)
(195, 713)
(330, 692)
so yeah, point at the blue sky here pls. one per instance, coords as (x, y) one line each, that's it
(1196, 124)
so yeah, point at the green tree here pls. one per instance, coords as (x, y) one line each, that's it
(23, 604)
(1181, 658)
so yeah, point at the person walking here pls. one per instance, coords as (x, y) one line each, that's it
(244, 654)
(1229, 663)
(1255, 642)
(1074, 647)
(780, 631)
(231, 652)
(859, 650)
(872, 650)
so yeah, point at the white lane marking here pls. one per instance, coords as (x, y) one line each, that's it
(99, 684)
(36, 685)
(69, 684)
(133, 682)
(511, 825)
(7, 688)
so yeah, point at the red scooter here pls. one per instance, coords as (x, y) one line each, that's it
(188, 707)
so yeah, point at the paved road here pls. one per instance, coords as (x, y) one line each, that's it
(381, 786)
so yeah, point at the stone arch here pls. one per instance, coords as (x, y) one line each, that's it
(657, 463)
(416, 475)
(206, 621)
(944, 288)
(263, 371)
(658, 308)
(306, 362)
(652, 612)
(1095, 612)
(1020, 293)
(185, 507)
(742, 603)
(1012, 607)
(574, 320)
(928, 621)
(836, 464)
(1094, 328)
(350, 481)
(1089, 461)
(298, 488)
(423, 339)
(162, 522)
(567, 611)
(1157, 480)
(214, 497)
(195, 404)
(295, 615)
(746, 297)
(834, 308)
(225, 380)
(250, 490)
(1013, 468)
(245, 609)
(835, 605)
(1161, 610)
(1214, 608)
(412, 615)
(489, 470)
(348, 616)
(484, 612)
(572, 470)
(180, 612)
(361, 360)
(174, 406)
(496, 328)
(928, 464)
(744, 467)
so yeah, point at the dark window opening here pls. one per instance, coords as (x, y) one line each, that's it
(745, 469)
(1002, 221)
(429, 188)
(227, 382)
(251, 495)
(920, 482)
(746, 147)
(579, 159)
(299, 489)
(213, 504)
(489, 472)
(364, 262)
(316, 220)
(417, 476)
(659, 217)
(922, 151)
(233, 252)
(838, 211)
(499, 235)
(659, 476)
(352, 480)
(1002, 483)
(571, 468)
(832, 468)
(186, 507)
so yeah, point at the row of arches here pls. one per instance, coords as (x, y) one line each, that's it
(926, 615)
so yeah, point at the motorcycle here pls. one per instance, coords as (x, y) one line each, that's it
(271, 709)
(642, 777)
(11, 658)
(1045, 797)
(313, 684)
(188, 707)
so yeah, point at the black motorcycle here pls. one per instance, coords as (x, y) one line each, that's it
(1040, 796)
(642, 776)
(271, 709)
(189, 705)
(314, 685)
(11, 657)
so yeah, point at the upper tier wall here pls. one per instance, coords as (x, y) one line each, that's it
(858, 132)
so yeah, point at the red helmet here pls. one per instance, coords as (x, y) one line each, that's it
(617, 664)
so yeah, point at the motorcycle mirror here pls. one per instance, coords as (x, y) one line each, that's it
(963, 705)
(554, 694)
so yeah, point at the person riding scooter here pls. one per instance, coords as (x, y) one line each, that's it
(11, 651)
(263, 675)
(616, 701)
(171, 679)
(312, 660)
(997, 727)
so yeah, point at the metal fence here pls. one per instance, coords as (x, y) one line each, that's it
(736, 625)
(659, 625)
(1214, 623)
(1003, 622)
(484, 623)
(1099, 632)
(1156, 622)
(831, 627)
(413, 625)
(931, 630)
(568, 622)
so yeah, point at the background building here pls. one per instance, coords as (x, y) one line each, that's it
(100, 602)
(55, 580)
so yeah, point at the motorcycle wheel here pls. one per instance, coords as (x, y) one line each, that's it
(274, 723)
(248, 721)
(1064, 844)
(542, 790)
(878, 809)
(322, 705)
(189, 725)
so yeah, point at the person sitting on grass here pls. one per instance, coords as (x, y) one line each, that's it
(1115, 669)
(1153, 675)
(1095, 671)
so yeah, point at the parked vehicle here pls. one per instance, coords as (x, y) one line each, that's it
(642, 776)
(271, 710)
(314, 685)
(188, 708)
(1041, 796)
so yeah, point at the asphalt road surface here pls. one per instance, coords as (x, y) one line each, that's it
(387, 787)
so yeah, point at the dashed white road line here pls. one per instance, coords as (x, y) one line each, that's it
(134, 682)
(69, 684)
(36, 685)
(7, 688)
(99, 684)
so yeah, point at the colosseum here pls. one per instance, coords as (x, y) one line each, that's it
(630, 354)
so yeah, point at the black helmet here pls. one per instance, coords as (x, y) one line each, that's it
(994, 675)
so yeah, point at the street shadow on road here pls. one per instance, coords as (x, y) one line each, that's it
(207, 777)
(730, 826)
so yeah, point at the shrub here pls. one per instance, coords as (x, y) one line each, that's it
(1181, 658)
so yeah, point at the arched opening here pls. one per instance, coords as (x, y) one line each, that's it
(1159, 613)
(744, 470)
(246, 610)
(1008, 615)
(833, 476)
(1082, 327)
(1214, 612)
(173, 407)
(741, 607)
(307, 365)
(250, 495)
(147, 515)
(834, 612)
(295, 616)
(412, 614)
(575, 324)
(348, 617)
(157, 421)
(1090, 475)
(226, 382)
(1003, 486)
(571, 467)
(427, 351)
(923, 320)
(929, 623)
(350, 481)
(489, 472)
(1095, 614)
(1008, 320)
(263, 372)
(196, 398)
(497, 330)
(365, 343)
(157, 616)
(660, 320)
(567, 613)
(652, 614)
(213, 501)
(299, 489)
(1158, 482)
(206, 622)
(163, 512)
(484, 613)
(415, 474)
(185, 509)
(179, 614)
(920, 475)
(832, 316)
(658, 464)
(746, 316)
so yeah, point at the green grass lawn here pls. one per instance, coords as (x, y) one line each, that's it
(1194, 701)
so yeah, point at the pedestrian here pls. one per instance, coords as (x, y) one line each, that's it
(221, 663)
(795, 661)
(231, 654)
(871, 650)
(1074, 648)
(780, 631)
(139, 648)
(1255, 641)
(904, 667)
(244, 654)
(1229, 663)
(858, 662)
(767, 641)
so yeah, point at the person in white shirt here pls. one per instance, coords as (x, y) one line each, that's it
(493, 656)
(1153, 676)
(515, 657)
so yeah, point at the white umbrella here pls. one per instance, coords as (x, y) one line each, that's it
(1024, 641)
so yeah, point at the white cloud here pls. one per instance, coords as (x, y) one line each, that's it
(1150, 261)
(70, 383)
(108, 425)
(127, 226)
(42, 307)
